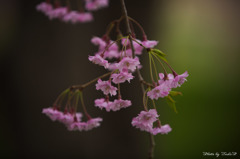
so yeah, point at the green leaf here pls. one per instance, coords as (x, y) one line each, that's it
(175, 93)
(159, 55)
(159, 52)
(171, 103)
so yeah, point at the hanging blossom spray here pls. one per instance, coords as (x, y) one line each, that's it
(120, 58)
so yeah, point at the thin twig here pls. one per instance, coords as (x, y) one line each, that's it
(82, 86)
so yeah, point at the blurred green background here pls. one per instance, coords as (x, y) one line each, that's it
(40, 58)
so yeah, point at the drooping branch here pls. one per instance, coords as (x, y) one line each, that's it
(125, 15)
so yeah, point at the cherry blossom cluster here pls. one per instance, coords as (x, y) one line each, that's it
(165, 84)
(73, 121)
(123, 65)
(121, 59)
(144, 121)
(66, 14)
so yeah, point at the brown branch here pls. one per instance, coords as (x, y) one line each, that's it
(124, 10)
(82, 86)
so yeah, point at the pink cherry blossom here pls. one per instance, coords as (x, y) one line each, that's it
(97, 59)
(144, 120)
(57, 13)
(80, 126)
(102, 103)
(85, 17)
(112, 51)
(149, 43)
(121, 77)
(106, 87)
(75, 17)
(173, 82)
(159, 91)
(164, 129)
(112, 66)
(99, 42)
(68, 118)
(93, 123)
(110, 54)
(182, 78)
(93, 5)
(119, 104)
(128, 63)
(44, 7)
(53, 114)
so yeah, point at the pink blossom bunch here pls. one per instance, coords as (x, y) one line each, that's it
(75, 17)
(116, 105)
(93, 5)
(128, 63)
(103, 103)
(144, 121)
(64, 13)
(121, 77)
(110, 50)
(80, 126)
(44, 7)
(97, 59)
(123, 66)
(166, 84)
(72, 120)
(57, 13)
(106, 87)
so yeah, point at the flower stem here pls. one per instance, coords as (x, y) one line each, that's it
(83, 106)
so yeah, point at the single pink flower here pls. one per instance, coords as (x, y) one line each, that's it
(139, 125)
(119, 104)
(149, 43)
(97, 59)
(144, 120)
(68, 118)
(121, 77)
(128, 63)
(76, 17)
(159, 91)
(102, 103)
(112, 66)
(110, 54)
(182, 78)
(53, 114)
(93, 123)
(106, 87)
(93, 5)
(85, 17)
(112, 51)
(99, 42)
(171, 81)
(71, 17)
(44, 7)
(164, 129)
(80, 126)
(57, 13)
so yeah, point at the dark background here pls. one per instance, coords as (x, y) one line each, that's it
(40, 58)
